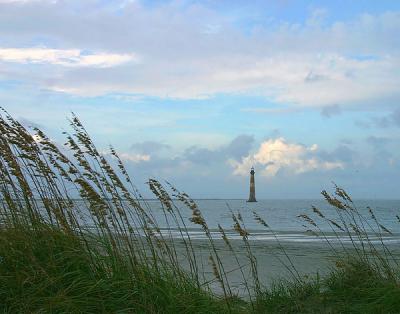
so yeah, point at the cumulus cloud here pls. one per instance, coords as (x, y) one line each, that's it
(64, 57)
(195, 160)
(236, 149)
(149, 147)
(239, 146)
(135, 158)
(343, 153)
(276, 155)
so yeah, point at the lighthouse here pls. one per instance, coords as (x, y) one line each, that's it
(252, 196)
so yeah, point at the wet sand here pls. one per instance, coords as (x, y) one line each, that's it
(308, 259)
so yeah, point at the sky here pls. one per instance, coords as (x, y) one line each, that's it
(198, 92)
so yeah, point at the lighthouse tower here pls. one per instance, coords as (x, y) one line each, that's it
(252, 197)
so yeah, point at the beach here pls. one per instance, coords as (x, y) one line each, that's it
(276, 262)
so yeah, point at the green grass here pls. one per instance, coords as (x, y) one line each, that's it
(356, 287)
(51, 262)
(46, 270)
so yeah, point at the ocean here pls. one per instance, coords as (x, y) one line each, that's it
(282, 218)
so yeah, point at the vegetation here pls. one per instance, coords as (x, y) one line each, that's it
(107, 253)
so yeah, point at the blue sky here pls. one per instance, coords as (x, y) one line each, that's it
(197, 92)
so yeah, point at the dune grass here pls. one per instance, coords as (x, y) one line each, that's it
(46, 270)
(355, 288)
(108, 255)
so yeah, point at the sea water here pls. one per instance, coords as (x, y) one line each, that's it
(282, 217)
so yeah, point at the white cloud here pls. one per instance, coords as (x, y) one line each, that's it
(136, 158)
(25, 1)
(192, 51)
(283, 78)
(274, 155)
(64, 57)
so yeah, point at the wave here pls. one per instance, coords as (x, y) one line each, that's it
(285, 236)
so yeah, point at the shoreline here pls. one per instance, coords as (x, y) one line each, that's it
(309, 260)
